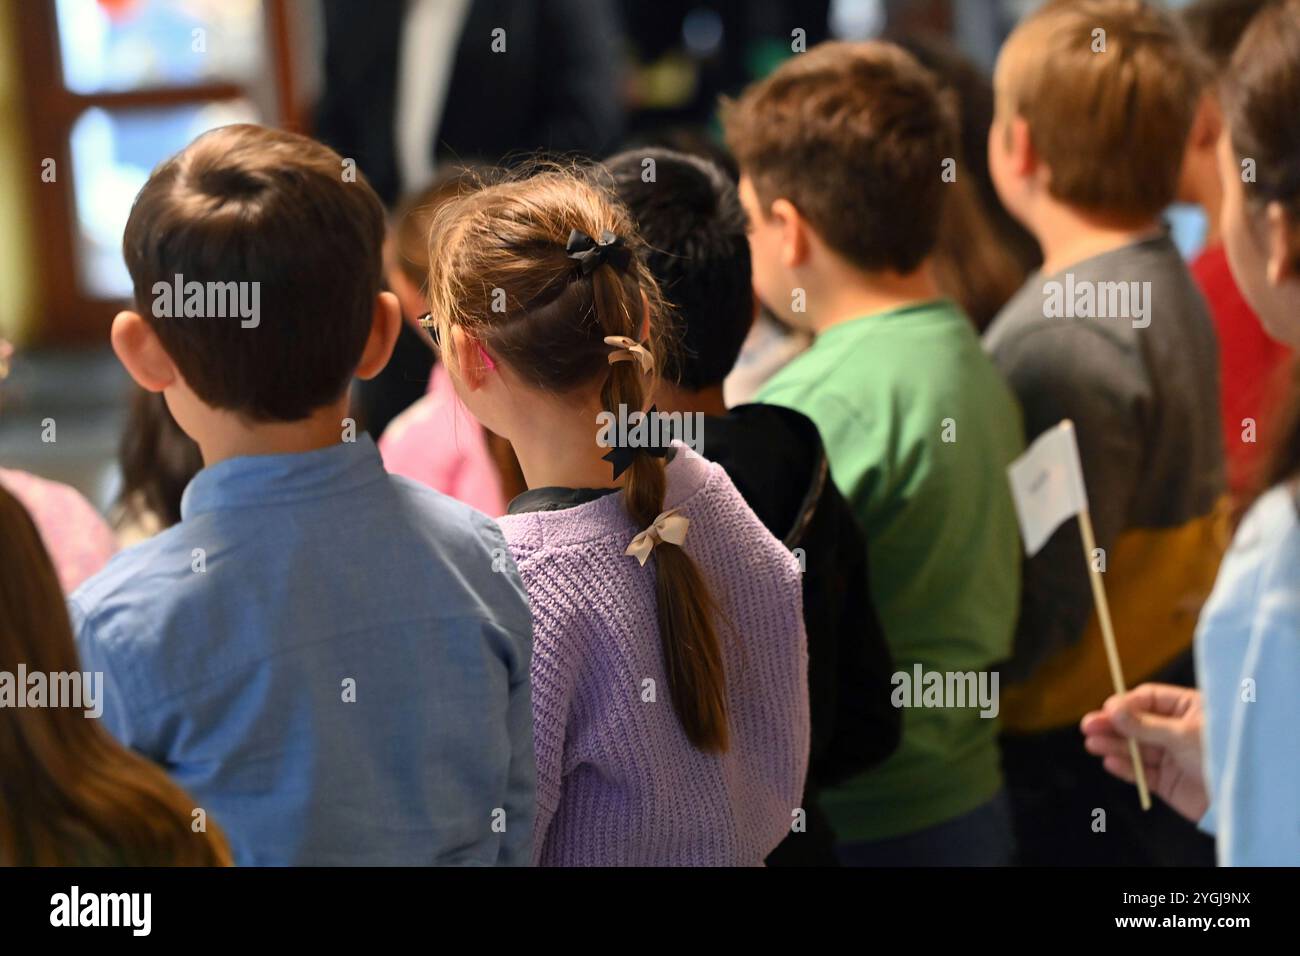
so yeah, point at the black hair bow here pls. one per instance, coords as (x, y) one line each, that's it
(591, 254)
(620, 456)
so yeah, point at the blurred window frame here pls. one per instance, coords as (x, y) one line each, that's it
(50, 110)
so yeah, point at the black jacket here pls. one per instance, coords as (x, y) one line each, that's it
(557, 86)
(775, 459)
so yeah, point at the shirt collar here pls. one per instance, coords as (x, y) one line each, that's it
(257, 480)
(555, 499)
(942, 308)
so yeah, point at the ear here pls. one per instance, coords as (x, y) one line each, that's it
(794, 233)
(141, 352)
(468, 358)
(385, 325)
(1020, 146)
(1208, 122)
(1283, 244)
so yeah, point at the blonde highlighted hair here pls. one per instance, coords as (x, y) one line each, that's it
(1108, 89)
(503, 244)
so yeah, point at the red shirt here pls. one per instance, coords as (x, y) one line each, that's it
(1251, 367)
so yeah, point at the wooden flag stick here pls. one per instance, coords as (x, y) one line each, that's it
(1112, 651)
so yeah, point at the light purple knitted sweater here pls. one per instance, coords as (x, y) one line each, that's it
(618, 783)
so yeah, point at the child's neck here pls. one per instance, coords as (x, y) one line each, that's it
(851, 294)
(676, 398)
(1068, 236)
(225, 435)
(557, 448)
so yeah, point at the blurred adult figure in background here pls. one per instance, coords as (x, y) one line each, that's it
(508, 76)
(410, 83)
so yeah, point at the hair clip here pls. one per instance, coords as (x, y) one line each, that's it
(630, 350)
(670, 528)
(592, 254)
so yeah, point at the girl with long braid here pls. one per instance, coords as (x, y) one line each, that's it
(669, 670)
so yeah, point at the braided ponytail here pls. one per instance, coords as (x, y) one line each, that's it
(686, 611)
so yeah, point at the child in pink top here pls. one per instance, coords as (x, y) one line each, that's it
(78, 539)
(435, 441)
(439, 444)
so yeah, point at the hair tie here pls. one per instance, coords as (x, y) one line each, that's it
(620, 456)
(629, 350)
(670, 527)
(591, 254)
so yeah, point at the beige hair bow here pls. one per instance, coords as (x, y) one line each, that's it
(669, 526)
(630, 350)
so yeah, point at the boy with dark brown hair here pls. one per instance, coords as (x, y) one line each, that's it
(843, 153)
(331, 660)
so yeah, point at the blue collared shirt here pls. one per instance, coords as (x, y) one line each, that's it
(331, 660)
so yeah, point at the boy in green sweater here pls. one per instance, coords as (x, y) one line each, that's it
(843, 152)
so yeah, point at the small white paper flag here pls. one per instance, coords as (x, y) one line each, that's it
(1047, 485)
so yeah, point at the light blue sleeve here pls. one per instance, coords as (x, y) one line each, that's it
(1258, 812)
(516, 848)
(95, 659)
(510, 638)
(1229, 623)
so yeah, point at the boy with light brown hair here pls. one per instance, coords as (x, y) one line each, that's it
(1095, 103)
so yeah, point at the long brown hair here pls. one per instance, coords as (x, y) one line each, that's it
(982, 255)
(1261, 102)
(511, 236)
(69, 794)
(157, 460)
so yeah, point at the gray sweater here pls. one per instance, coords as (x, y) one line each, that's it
(1121, 343)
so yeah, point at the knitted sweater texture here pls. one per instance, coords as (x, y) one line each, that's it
(618, 783)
